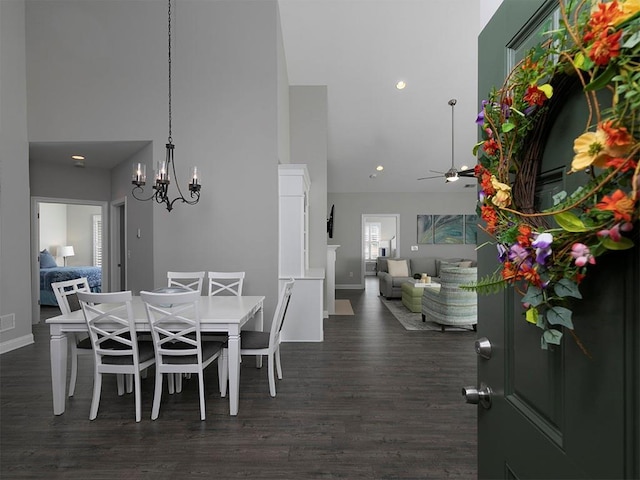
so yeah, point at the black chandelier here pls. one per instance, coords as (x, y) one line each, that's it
(162, 178)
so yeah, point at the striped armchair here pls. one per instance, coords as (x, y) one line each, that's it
(449, 304)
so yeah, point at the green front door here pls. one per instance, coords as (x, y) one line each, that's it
(557, 413)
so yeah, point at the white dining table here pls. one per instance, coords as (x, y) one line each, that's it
(219, 314)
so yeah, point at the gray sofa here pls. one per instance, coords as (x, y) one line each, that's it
(391, 287)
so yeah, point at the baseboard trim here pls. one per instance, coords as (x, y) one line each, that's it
(346, 286)
(16, 343)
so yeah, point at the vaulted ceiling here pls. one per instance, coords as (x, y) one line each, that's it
(360, 49)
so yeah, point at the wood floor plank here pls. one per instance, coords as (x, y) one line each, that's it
(373, 401)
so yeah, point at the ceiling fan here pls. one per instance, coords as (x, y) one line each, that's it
(452, 174)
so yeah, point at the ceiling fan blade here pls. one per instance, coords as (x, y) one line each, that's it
(436, 171)
(435, 176)
(469, 172)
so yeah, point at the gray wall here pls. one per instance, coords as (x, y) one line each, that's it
(308, 116)
(139, 217)
(225, 117)
(15, 273)
(349, 208)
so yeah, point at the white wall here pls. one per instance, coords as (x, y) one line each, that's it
(53, 228)
(225, 115)
(80, 233)
(487, 9)
(15, 273)
(349, 208)
(309, 124)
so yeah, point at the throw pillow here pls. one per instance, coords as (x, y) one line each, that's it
(47, 260)
(465, 264)
(398, 268)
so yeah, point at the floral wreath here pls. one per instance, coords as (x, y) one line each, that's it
(546, 254)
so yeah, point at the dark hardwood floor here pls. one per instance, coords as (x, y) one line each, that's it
(373, 401)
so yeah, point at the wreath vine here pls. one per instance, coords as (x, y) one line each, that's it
(546, 254)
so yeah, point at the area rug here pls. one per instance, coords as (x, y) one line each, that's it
(413, 321)
(343, 307)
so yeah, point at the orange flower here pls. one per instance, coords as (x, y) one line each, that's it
(603, 17)
(490, 147)
(606, 47)
(502, 198)
(524, 237)
(490, 216)
(619, 203)
(530, 274)
(509, 272)
(616, 137)
(535, 96)
(626, 164)
(485, 183)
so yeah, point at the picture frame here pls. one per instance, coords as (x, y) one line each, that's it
(425, 229)
(448, 229)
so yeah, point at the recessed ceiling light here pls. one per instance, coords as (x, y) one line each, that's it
(379, 168)
(77, 157)
(464, 167)
(401, 85)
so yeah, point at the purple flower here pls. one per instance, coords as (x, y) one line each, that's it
(480, 117)
(542, 244)
(502, 252)
(542, 240)
(529, 110)
(518, 253)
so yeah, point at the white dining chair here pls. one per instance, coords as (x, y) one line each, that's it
(112, 330)
(80, 345)
(189, 280)
(174, 319)
(268, 343)
(225, 283)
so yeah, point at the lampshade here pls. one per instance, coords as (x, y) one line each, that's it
(66, 251)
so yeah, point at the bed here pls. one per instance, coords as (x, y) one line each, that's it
(50, 272)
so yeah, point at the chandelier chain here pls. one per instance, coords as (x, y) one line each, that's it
(169, 30)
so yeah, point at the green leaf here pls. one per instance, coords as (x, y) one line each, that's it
(602, 80)
(534, 296)
(552, 336)
(632, 41)
(560, 316)
(567, 288)
(532, 315)
(507, 127)
(623, 244)
(570, 222)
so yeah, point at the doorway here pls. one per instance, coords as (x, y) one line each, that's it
(380, 238)
(58, 223)
(119, 251)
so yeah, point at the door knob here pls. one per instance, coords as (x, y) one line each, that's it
(483, 347)
(480, 395)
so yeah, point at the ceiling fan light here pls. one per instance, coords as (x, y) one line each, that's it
(452, 179)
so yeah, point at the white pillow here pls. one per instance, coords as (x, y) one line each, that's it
(398, 268)
(466, 264)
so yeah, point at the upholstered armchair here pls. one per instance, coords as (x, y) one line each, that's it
(450, 305)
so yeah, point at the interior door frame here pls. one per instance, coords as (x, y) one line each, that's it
(365, 216)
(35, 244)
(117, 207)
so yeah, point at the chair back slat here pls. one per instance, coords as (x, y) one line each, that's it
(111, 325)
(189, 280)
(226, 283)
(67, 289)
(281, 311)
(174, 319)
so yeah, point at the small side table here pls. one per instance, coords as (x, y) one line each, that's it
(412, 294)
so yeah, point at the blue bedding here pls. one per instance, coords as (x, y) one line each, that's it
(59, 274)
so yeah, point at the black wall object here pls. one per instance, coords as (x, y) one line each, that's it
(330, 223)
